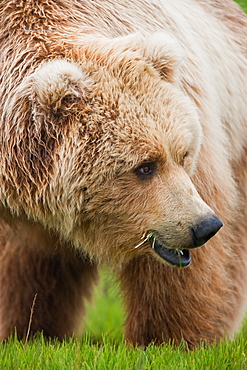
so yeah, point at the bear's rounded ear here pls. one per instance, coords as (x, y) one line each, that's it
(160, 49)
(165, 53)
(58, 84)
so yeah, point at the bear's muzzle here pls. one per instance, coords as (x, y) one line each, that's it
(200, 234)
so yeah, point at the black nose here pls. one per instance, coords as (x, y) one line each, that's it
(204, 230)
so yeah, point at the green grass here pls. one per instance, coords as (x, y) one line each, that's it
(103, 346)
(107, 354)
(243, 4)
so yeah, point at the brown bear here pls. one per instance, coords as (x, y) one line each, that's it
(123, 141)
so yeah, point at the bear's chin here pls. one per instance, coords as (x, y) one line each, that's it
(173, 257)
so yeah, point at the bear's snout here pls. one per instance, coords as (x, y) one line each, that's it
(205, 229)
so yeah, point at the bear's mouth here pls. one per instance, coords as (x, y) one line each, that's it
(174, 257)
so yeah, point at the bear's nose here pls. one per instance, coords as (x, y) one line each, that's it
(204, 230)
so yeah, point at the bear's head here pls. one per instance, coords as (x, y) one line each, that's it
(101, 149)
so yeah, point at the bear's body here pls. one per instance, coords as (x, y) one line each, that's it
(115, 116)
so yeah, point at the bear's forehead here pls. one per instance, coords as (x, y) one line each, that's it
(129, 129)
(137, 109)
(126, 116)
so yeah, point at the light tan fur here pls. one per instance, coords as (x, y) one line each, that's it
(90, 91)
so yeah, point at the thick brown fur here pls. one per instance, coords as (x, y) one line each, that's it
(89, 92)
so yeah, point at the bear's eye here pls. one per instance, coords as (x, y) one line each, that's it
(146, 169)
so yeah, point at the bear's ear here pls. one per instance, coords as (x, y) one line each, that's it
(164, 52)
(160, 49)
(59, 84)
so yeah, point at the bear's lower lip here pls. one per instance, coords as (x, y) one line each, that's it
(177, 258)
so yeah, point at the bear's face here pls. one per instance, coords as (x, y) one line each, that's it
(114, 141)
